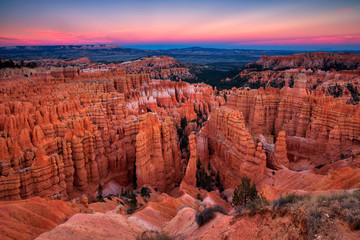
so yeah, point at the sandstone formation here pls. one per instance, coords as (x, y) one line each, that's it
(312, 60)
(158, 158)
(26, 219)
(232, 150)
(65, 132)
(335, 74)
(313, 123)
(61, 136)
(279, 158)
(159, 67)
(188, 183)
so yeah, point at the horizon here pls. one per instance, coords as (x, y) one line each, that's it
(262, 25)
(164, 47)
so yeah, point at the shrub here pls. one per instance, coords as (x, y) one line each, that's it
(130, 211)
(208, 214)
(145, 192)
(253, 207)
(353, 221)
(288, 199)
(321, 209)
(313, 222)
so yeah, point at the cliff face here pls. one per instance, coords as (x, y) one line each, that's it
(232, 149)
(313, 123)
(315, 61)
(158, 67)
(158, 158)
(335, 74)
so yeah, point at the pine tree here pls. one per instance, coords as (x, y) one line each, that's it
(198, 164)
(134, 177)
(253, 192)
(100, 192)
(244, 193)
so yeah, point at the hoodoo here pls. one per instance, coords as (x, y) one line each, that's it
(145, 154)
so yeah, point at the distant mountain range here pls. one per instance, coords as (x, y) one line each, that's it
(224, 59)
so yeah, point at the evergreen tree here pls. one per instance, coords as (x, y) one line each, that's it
(244, 193)
(144, 191)
(100, 192)
(218, 183)
(134, 177)
(183, 123)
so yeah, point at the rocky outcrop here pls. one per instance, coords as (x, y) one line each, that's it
(335, 74)
(188, 183)
(159, 67)
(311, 60)
(126, 83)
(232, 149)
(27, 219)
(279, 158)
(313, 122)
(157, 153)
(64, 133)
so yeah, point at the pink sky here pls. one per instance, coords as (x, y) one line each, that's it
(280, 23)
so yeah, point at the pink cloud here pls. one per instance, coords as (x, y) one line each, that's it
(58, 37)
(321, 40)
(347, 9)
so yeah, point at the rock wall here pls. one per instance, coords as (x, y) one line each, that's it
(312, 60)
(233, 152)
(158, 67)
(158, 158)
(85, 130)
(315, 124)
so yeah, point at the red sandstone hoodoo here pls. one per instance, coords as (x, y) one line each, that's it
(64, 131)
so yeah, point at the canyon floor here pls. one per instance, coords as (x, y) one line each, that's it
(130, 150)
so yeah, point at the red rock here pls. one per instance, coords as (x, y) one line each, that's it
(233, 150)
(190, 175)
(279, 158)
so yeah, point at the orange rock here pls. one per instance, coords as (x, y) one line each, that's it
(233, 150)
(190, 175)
(279, 158)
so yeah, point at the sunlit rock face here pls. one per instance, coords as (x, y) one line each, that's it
(335, 74)
(314, 61)
(313, 123)
(158, 67)
(233, 152)
(65, 130)
(62, 132)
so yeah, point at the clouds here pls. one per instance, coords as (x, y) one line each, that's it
(321, 40)
(147, 22)
(346, 9)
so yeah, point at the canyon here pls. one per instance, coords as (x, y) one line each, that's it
(138, 126)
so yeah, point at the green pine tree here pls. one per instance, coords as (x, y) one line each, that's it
(100, 192)
(244, 193)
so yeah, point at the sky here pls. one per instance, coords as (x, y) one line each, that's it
(256, 24)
